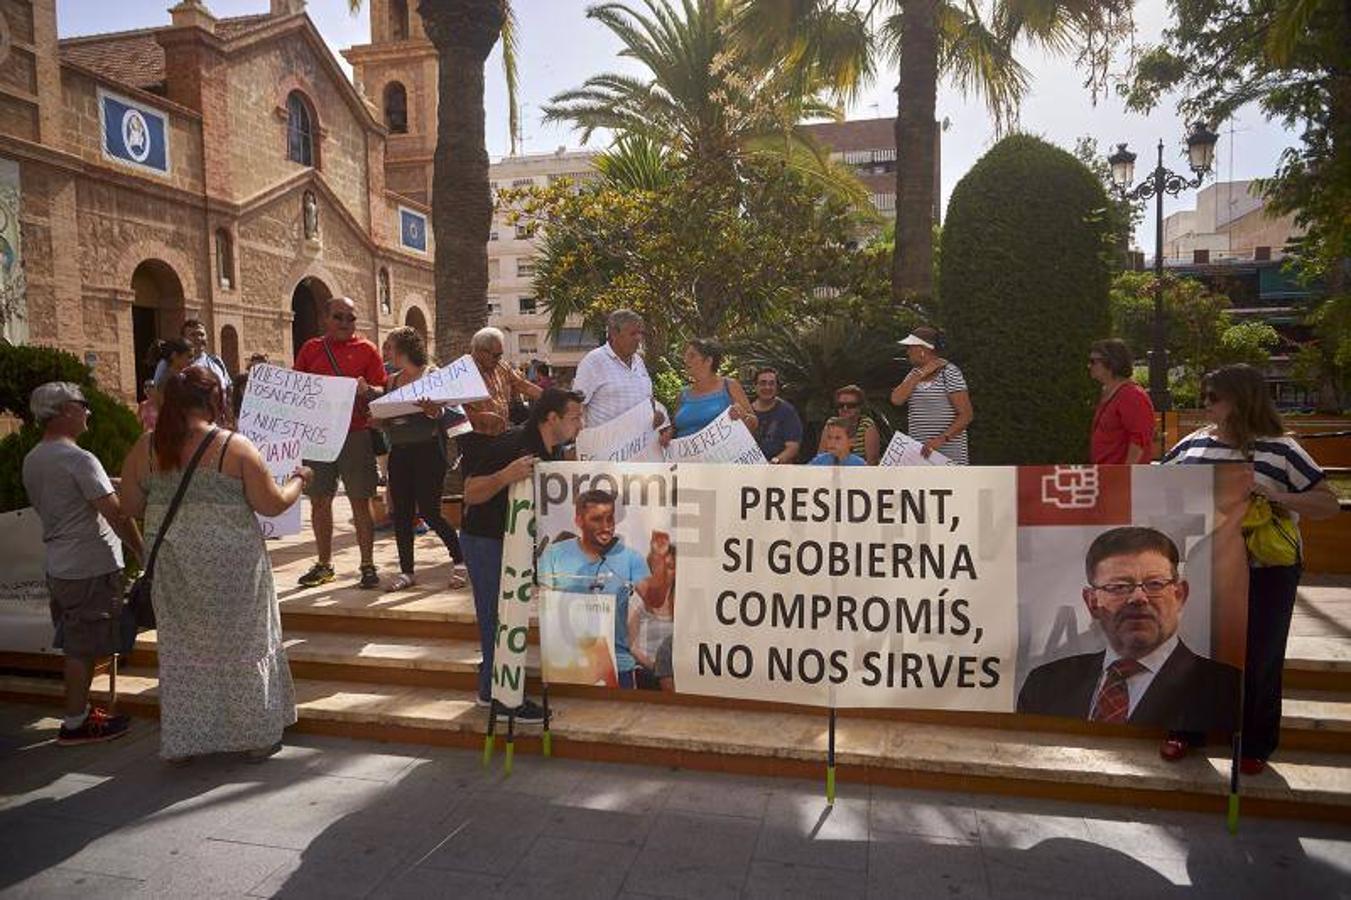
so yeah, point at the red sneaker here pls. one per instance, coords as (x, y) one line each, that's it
(95, 730)
(1251, 765)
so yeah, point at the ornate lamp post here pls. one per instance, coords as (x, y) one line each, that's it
(1200, 154)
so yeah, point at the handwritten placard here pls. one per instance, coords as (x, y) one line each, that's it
(906, 451)
(628, 437)
(460, 382)
(283, 405)
(281, 459)
(724, 440)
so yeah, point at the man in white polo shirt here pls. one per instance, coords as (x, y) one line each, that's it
(612, 377)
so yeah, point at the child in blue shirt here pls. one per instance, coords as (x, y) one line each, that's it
(835, 446)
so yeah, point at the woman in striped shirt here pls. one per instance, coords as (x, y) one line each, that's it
(1245, 427)
(940, 405)
(865, 440)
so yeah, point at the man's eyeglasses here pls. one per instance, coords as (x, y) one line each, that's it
(1153, 587)
(342, 318)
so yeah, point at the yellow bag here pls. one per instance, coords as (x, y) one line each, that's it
(1272, 538)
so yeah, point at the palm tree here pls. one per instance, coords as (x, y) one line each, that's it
(701, 99)
(464, 32)
(969, 42)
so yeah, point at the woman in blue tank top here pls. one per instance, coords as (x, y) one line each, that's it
(708, 393)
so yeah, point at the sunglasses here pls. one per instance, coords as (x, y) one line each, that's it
(847, 404)
(341, 318)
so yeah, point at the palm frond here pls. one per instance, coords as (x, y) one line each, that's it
(511, 34)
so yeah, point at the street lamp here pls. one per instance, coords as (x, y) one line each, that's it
(1200, 155)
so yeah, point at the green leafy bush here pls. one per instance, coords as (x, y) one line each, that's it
(113, 428)
(1025, 281)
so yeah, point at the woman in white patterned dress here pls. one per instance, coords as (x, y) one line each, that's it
(224, 683)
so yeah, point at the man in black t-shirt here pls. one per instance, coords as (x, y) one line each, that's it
(490, 465)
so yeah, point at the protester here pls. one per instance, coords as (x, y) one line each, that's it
(835, 445)
(940, 405)
(148, 409)
(505, 385)
(613, 377)
(778, 428)
(490, 465)
(708, 395)
(342, 352)
(864, 439)
(417, 462)
(1123, 426)
(597, 562)
(193, 334)
(172, 356)
(83, 527)
(651, 620)
(1245, 427)
(256, 359)
(224, 685)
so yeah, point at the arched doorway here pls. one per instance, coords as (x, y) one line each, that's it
(156, 311)
(229, 348)
(416, 320)
(308, 303)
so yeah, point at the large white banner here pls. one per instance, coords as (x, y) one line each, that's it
(25, 620)
(455, 384)
(629, 437)
(850, 587)
(724, 440)
(284, 405)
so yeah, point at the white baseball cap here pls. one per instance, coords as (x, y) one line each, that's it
(47, 399)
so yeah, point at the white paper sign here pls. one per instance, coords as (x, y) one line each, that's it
(906, 451)
(285, 405)
(724, 440)
(460, 382)
(577, 638)
(25, 620)
(629, 437)
(281, 458)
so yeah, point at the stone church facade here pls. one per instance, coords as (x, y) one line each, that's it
(221, 169)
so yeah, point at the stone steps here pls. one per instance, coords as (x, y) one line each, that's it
(1083, 767)
(1313, 720)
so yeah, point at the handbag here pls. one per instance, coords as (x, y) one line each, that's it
(139, 612)
(1272, 538)
(379, 440)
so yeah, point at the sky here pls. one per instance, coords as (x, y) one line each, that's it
(560, 48)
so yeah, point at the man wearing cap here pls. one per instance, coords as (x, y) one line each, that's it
(83, 528)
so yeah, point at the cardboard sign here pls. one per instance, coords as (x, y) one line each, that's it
(458, 383)
(724, 440)
(282, 405)
(906, 451)
(629, 437)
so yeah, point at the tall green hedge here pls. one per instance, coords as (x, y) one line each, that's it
(113, 428)
(1024, 282)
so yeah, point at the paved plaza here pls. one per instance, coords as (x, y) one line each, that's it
(330, 818)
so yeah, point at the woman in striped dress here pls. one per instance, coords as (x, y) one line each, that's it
(940, 405)
(1245, 427)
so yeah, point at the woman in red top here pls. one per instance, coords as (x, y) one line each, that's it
(1123, 426)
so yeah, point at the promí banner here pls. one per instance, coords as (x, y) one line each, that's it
(516, 597)
(1041, 590)
(455, 384)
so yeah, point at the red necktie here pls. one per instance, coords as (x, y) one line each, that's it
(1113, 703)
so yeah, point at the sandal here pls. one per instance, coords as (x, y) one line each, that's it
(400, 582)
(459, 577)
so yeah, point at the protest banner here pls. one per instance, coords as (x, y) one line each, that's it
(285, 405)
(25, 617)
(516, 598)
(454, 384)
(994, 589)
(724, 440)
(906, 451)
(629, 437)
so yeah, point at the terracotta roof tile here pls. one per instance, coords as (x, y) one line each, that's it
(135, 58)
(857, 134)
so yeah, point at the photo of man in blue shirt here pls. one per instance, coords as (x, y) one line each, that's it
(597, 562)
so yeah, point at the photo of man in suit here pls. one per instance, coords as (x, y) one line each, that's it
(1146, 675)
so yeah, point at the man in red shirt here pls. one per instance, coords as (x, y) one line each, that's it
(1123, 426)
(342, 352)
